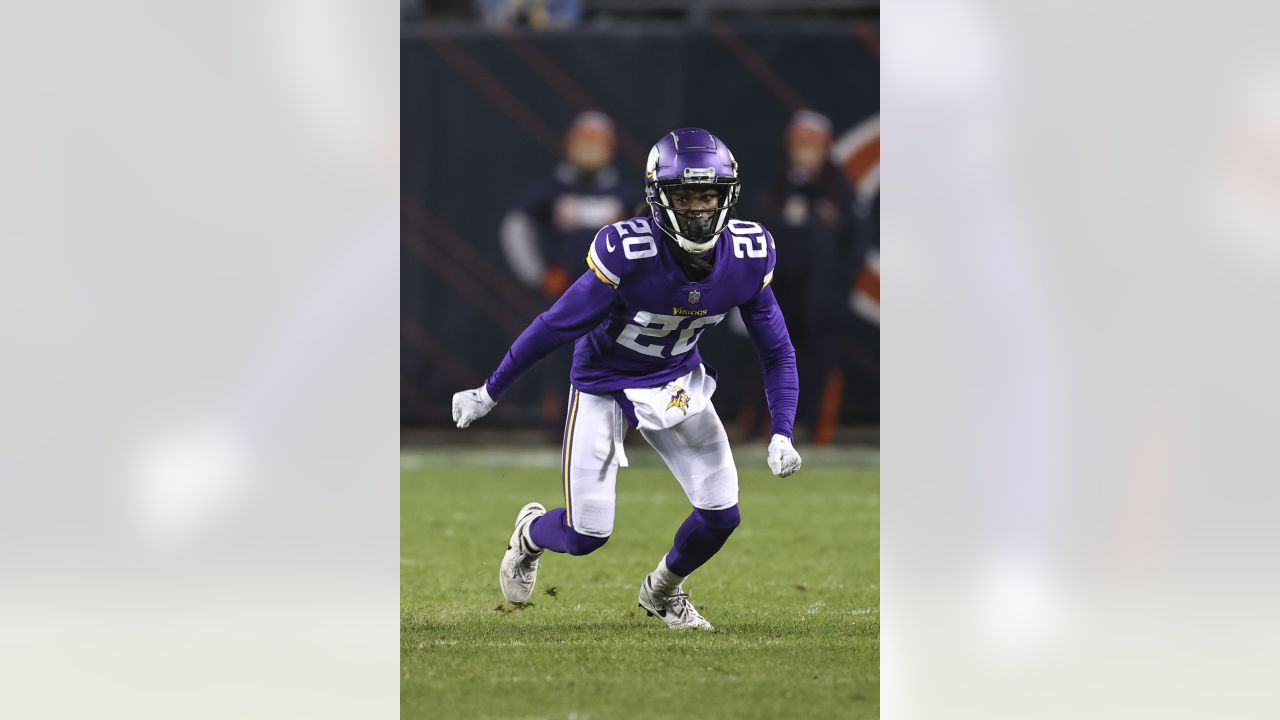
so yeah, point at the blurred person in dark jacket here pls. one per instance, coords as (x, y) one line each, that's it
(543, 235)
(811, 208)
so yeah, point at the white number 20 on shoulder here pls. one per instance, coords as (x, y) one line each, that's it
(635, 246)
(748, 239)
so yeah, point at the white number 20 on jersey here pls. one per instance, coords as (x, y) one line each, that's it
(636, 242)
(748, 239)
(660, 328)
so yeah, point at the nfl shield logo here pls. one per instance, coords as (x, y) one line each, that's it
(694, 296)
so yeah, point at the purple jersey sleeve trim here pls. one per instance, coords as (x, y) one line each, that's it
(768, 331)
(583, 306)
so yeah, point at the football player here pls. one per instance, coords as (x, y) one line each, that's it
(652, 286)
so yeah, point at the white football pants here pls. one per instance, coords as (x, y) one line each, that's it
(695, 449)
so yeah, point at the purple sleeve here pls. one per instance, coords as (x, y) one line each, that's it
(769, 335)
(575, 314)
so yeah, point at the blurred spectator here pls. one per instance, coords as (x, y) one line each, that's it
(537, 14)
(810, 210)
(545, 237)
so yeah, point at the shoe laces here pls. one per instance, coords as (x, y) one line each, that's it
(680, 603)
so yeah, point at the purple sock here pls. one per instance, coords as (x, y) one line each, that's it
(552, 532)
(700, 536)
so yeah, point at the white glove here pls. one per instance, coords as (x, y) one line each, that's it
(783, 459)
(471, 405)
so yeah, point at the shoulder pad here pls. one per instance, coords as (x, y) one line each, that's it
(618, 248)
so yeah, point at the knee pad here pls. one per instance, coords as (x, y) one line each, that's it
(722, 520)
(580, 544)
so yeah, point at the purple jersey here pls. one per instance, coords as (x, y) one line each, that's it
(637, 317)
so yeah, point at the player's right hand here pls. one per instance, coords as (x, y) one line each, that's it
(471, 405)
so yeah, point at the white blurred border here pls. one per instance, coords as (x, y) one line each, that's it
(199, 296)
(1081, 216)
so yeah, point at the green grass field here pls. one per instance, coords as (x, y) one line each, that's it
(794, 595)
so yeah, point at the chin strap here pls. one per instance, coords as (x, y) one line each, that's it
(692, 247)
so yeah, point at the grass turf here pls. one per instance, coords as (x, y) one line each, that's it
(794, 595)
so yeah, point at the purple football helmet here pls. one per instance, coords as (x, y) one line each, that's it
(691, 157)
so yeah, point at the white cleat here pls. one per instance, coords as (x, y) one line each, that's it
(519, 570)
(673, 608)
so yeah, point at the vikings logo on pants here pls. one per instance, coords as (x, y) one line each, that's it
(679, 399)
(653, 408)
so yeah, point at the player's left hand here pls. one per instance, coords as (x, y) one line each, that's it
(471, 405)
(783, 458)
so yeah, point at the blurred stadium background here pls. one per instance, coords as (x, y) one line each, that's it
(493, 220)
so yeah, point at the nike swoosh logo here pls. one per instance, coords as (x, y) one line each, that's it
(609, 244)
(648, 583)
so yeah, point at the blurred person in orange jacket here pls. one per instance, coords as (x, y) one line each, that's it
(543, 235)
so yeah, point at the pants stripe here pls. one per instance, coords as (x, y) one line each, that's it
(568, 455)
